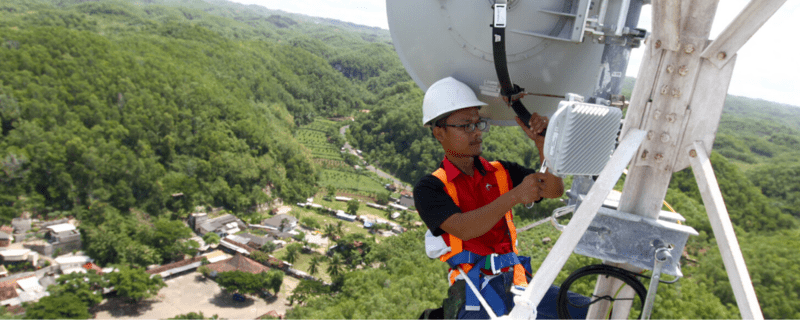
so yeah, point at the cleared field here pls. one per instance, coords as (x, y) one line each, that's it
(351, 181)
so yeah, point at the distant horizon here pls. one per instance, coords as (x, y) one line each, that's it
(761, 64)
(745, 97)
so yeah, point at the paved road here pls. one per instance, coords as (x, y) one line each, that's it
(347, 144)
(370, 167)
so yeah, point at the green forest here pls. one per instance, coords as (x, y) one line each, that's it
(126, 115)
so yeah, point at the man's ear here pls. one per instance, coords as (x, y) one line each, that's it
(438, 133)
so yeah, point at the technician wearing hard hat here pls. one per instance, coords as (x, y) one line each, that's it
(467, 203)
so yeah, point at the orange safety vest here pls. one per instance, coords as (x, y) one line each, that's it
(456, 244)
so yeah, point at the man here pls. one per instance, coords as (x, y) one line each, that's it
(467, 202)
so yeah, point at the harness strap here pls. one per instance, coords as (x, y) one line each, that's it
(455, 243)
(519, 270)
(466, 260)
(493, 262)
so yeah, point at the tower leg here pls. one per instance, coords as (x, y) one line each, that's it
(723, 231)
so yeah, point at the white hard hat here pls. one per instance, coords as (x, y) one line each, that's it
(445, 96)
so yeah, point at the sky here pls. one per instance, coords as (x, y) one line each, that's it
(767, 67)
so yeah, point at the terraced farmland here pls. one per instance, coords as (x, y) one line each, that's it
(314, 137)
(335, 171)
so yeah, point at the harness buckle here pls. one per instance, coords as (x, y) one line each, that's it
(491, 263)
(517, 290)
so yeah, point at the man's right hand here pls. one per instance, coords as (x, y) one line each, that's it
(530, 189)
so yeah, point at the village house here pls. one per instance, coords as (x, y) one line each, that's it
(237, 263)
(73, 263)
(16, 291)
(8, 294)
(187, 265)
(315, 206)
(398, 207)
(21, 225)
(275, 233)
(344, 199)
(7, 229)
(5, 239)
(177, 268)
(59, 238)
(281, 222)
(255, 241)
(235, 244)
(63, 236)
(13, 256)
(31, 289)
(52, 222)
(222, 226)
(406, 200)
(346, 217)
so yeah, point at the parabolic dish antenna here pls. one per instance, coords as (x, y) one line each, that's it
(553, 47)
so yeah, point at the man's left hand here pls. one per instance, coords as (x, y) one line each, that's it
(536, 126)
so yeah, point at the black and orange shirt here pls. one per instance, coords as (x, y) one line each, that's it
(435, 205)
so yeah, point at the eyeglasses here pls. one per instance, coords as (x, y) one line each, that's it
(470, 127)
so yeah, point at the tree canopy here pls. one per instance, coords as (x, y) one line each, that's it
(250, 283)
(64, 306)
(211, 238)
(194, 315)
(87, 287)
(134, 283)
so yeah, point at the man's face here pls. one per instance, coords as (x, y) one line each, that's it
(456, 141)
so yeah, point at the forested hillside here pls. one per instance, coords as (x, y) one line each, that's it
(127, 114)
(118, 112)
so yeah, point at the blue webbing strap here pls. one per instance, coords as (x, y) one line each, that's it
(497, 262)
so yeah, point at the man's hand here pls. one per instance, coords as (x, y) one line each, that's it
(551, 186)
(536, 126)
(539, 185)
(530, 189)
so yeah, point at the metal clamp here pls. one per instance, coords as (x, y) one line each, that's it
(662, 255)
(621, 237)
(500, 15)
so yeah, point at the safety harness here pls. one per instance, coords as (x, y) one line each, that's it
(493, 262)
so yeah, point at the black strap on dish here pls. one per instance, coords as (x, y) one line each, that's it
(508, 90)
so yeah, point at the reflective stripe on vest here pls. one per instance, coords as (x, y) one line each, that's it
(456, 245)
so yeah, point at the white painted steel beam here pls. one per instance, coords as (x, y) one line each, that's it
(666, 30)
(723, 231)
(744, 26)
